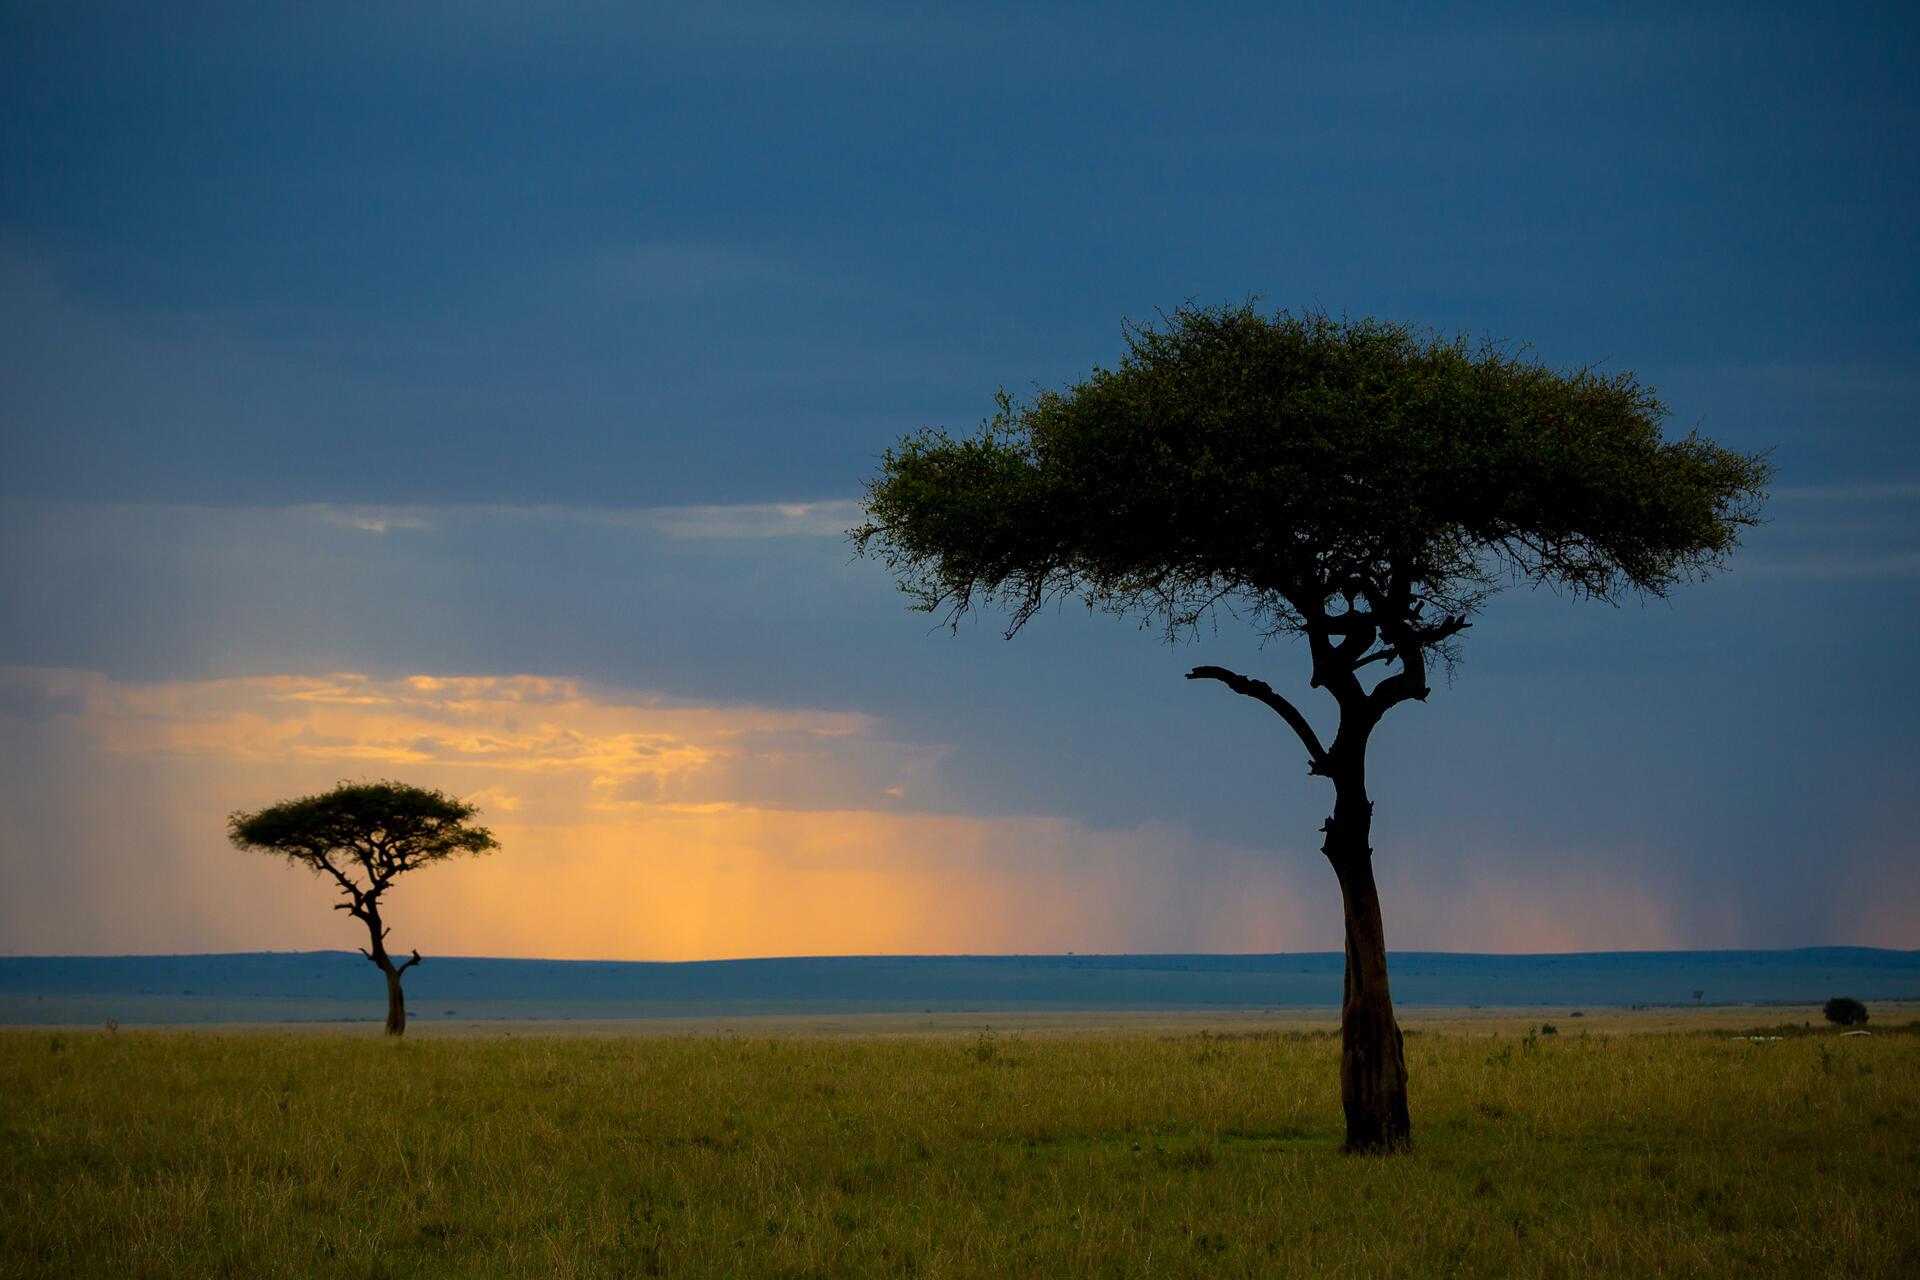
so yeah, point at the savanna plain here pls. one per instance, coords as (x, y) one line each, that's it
(1142, 1152)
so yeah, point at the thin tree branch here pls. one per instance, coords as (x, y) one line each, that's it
(1261, 691)
(1439, 631)
(409, 964)
(1410, 644)
(1402, 686)
(347, 886)
(1408, 683)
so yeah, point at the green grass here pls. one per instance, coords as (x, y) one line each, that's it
(175, 1154)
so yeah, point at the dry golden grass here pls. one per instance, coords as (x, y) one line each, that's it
(1147, 1153)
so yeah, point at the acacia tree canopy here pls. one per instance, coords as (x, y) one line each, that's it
(365, 834)
(1307, 468)
(1364, 484)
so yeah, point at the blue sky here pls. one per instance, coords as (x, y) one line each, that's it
(479, 342)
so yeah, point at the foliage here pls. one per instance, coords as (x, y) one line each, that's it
(193, 1154)
(1280, 464)
(1845, 1011)
(364, 835)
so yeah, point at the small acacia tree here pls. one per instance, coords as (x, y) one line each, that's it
(364, 836)
(1364, 485)
(1844, 1011)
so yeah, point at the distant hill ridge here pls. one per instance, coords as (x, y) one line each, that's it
(292, 986)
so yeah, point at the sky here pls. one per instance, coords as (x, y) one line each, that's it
(477, 395)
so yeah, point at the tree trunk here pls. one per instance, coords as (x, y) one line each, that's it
(369, 911)
(1373, 1067)
(396, 1002)
(1373, 1064)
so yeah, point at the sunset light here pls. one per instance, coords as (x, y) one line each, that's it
(980, 640)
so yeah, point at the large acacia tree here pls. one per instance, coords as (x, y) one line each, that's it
(1361, 484)
(363, 836)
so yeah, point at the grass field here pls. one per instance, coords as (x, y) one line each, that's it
(996, 1154)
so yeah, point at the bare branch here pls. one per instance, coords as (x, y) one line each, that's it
(322, 861)
(409, 964)
(1402, 686)
(1429, 637)
(1261, 691)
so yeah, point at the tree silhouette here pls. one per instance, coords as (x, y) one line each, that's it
(364, 836)
(1361, 484)
(1844, 1011)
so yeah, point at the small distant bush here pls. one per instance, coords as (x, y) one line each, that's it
(1548, 1029)
(1844, 1011)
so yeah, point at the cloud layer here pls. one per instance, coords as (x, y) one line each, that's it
(631, 828)
(640, 828)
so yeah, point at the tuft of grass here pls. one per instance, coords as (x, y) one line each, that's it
(175, 1155)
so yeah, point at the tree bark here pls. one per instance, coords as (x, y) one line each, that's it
(396, 1002)
(368, 910)
(1373, 1066)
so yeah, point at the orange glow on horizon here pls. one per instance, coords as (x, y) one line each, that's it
(634, 827)
(640, 827)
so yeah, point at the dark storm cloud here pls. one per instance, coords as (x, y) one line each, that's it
(616, 256)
